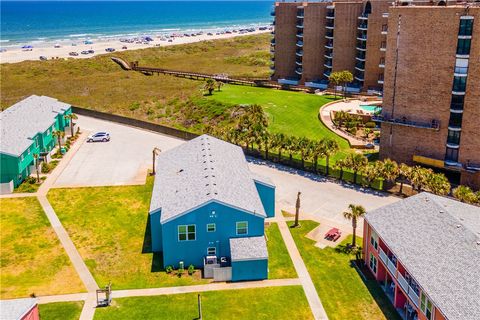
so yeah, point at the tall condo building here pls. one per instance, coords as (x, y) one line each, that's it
(431, 104)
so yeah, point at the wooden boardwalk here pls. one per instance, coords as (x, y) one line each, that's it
(194, 75)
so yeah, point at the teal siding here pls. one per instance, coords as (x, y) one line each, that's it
(193, 252)
(250, 270)
(156, 231)
(267, 196)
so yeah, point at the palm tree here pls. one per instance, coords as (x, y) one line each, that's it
(340, 164)
(303, 145)
(371, 172)
(70, 117)
(316, 151)
(37, 165)
(59, 135)
(282, 144)
(437, 183)
(219, 85)
(209, 86)
(404, 172)
(464, 194)
(356, 162)
(330, 147)
(390, 170)
(354, 212)
(291, 144)
(419, 176)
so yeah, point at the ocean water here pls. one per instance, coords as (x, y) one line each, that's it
(35, 22)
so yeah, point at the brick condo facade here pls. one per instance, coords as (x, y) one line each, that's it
(431, 102)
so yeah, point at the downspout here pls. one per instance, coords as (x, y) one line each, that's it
(395, 75)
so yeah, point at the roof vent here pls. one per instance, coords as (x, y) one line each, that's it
(181, 170)
(459, 226)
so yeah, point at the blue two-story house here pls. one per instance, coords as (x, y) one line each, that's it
(208, 210)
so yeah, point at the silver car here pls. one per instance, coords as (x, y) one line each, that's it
(99, 136)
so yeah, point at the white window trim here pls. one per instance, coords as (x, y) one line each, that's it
(236, 228)
(372, 257)
(212, 254)
(214, 227)
(186, 233)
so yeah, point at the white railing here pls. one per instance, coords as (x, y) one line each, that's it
(413, 296)
(383, 256)
(403, 283)
(391, 267)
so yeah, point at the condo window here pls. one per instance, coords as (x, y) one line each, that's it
(373, 263)
(461, 66)
(455, 119)
(453, 137)
(459, 84)
(463, 46)
(242, 227)
(186, 232)
(457, 102)
(36, 142)
(211, 251)
(426, 306)
(374, 240)
(466, 27)
(451, 154)
(211, 227)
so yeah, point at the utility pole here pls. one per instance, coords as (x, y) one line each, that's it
(155, 152)
(297, 209)
(199, 307)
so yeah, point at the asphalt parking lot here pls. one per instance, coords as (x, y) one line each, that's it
(125, 159)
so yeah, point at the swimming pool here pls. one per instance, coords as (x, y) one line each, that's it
(370, 108)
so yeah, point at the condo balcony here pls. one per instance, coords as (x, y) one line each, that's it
(359, 77)
(298, 62)
(383, 48)
(408, 289)
(360, 57)
(330, 13)
(272, 33)
(300, 15)
(385, 15)
(299, 34)
(363, 27)
(299, 53)
(327, 73)
(403, 121)
(329, 45)
(330, 24)
(363, 16)
(361, 46)
(328, 65)
(298, 71)
(360, 66)
(362, 37)
(328, 55)
(300, 24)
(329, 35)
(272, 49)
(472, 166)
(380, 81)
(272, 42)
(299, 44)
(453, 145)
(381, 65)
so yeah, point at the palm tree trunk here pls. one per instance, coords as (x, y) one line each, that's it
(316, 164)
(341, 173)
(355, 177)
(354, 225)
(327, 160)
(279, 155)
(303, 162)
(71, 127)
(266, 152)
(59, 144)
(290, 158)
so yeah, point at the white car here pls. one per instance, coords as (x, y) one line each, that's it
(99, 136)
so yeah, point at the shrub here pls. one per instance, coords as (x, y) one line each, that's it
(191, 269)
(31, 180)
(134, 106)
(169, 269)
(370, 124)
(46, 168)
(352, 130)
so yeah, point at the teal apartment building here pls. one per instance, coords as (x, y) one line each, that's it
(26, 129)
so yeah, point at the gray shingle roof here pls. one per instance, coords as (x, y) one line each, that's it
(202, 170)
(16, 308)
(438, 241)
(22, 121)
(262, 179)
(249, 248)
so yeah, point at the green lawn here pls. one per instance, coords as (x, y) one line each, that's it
(61, 310)
(109, 228)
(32, 258)
(341, 289)
(293, 113)
(260, 303)
(279, 262)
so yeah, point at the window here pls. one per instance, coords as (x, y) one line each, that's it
(242, 227)
(373, 263)
(37, 141)
(463, 46)
(21, 157)
(211, 227)
(466, 27)
(459, 84)
(186, 232)
(453, 137)
(461, 66)
(455, 120)
(457, 102)
(374, 240)
(211, 251)
(451, 154)
(426, 306)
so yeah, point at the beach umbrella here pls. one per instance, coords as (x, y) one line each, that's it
(27, 47)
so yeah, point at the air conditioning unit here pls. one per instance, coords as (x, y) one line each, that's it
(211, 260)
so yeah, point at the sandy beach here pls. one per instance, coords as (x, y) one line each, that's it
(99, 46)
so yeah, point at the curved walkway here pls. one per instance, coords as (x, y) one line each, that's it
(340, 105)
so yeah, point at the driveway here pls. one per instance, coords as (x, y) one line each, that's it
(123, 160)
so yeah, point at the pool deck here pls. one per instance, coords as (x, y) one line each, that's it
(348, 106)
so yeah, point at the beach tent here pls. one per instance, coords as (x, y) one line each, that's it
(27, 47)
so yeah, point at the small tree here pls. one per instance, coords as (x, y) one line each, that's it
(209, 86)
(390, 170)
(345, 78)
(354, 212)
(438, 183)
(219, 85)
(464, 194)
(330, 147)
(356, 162)
(335, 79)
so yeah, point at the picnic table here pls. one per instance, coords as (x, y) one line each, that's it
(333, 234)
